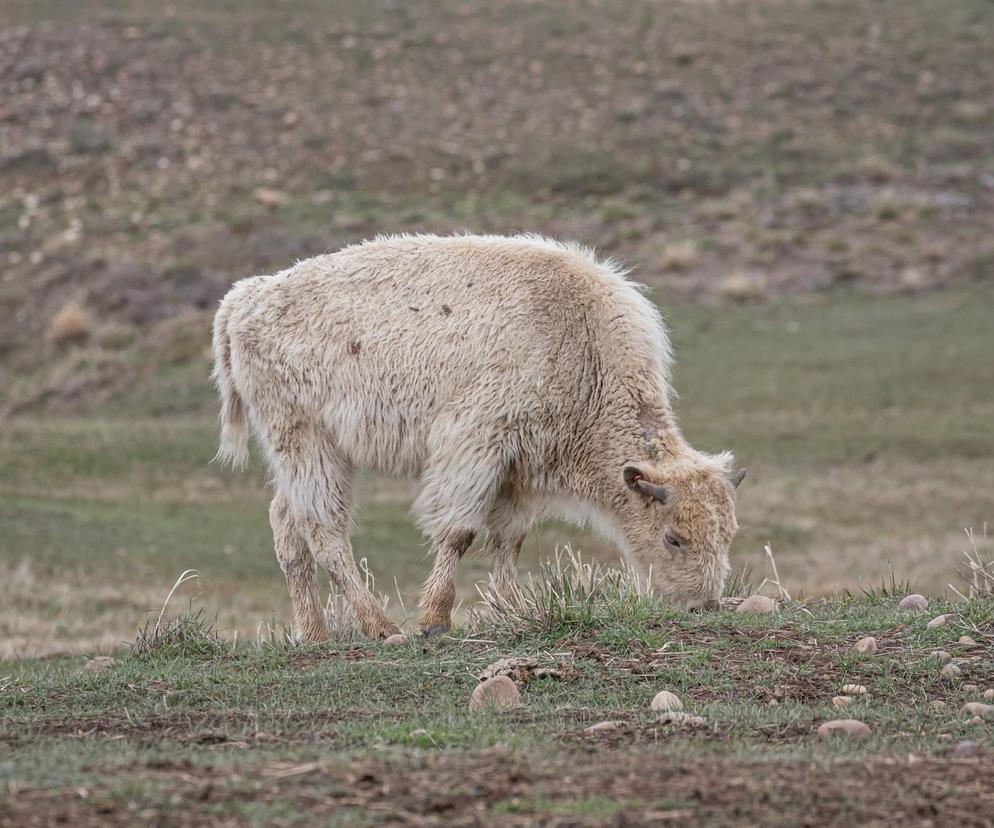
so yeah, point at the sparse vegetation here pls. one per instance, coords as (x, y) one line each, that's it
(277, 733)
(977, 569)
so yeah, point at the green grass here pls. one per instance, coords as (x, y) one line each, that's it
(242, 715)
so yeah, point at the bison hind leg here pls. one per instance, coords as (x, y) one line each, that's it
(298, 567)
(439, 592)
(316, 480)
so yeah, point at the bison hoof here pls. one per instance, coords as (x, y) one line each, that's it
(438, 629)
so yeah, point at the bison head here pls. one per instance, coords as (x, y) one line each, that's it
(678, 522)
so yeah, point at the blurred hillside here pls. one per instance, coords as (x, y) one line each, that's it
(152, 153)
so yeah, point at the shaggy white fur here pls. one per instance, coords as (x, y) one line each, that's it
(514, 376)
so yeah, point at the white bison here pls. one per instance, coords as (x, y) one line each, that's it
(516, 378)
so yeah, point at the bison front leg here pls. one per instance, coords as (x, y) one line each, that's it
(439, 592)
(509, 521)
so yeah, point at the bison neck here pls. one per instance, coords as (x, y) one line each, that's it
(589, 469)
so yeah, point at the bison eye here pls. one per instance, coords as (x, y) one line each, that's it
(674, 541)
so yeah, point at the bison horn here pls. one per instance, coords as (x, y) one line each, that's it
(736, 477)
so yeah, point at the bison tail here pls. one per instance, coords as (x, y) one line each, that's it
(233, 448)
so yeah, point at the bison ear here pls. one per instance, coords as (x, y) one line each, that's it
(736, 477)
(633, 474)
(636, 481)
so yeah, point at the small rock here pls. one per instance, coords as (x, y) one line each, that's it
(866, 645)
(841, 701)
(969, 688)
(989, 694)
(850, 728)
(29, 69)
(984, 711)
(854, 689)
(938, 704)
(944, 657)
(938, 621)
(95, 665)
(418, 733)
(664, 700)
(757, 603)
(950, 671)
(603, 727)
(394, 640)
(497, 693)
(964, 749)
(966, 641)
(914, 603)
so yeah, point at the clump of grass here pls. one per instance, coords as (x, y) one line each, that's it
(679, 255)
(742, 286)
(74, 324)
(886, 591)
(887, 206)
(977, 568)
(273, 637)
(739, 584)
(569, 595)
(342, 623)
(343, 626)
(775, 579)
(190, 634)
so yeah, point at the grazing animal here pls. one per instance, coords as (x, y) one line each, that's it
(516, 377)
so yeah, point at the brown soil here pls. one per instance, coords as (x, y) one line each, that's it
(497, 788)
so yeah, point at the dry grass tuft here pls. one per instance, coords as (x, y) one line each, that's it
(775, 580)
(74, 324)
(34, 605)
(568, 592)
(977, 568)
(189, 634)
(887, 206)
(742, 286)
(679, 255)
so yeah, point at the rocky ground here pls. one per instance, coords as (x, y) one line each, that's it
(193, 729)
(153, 153)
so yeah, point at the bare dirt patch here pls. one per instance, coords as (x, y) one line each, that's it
(492, 787)
(191, 728)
